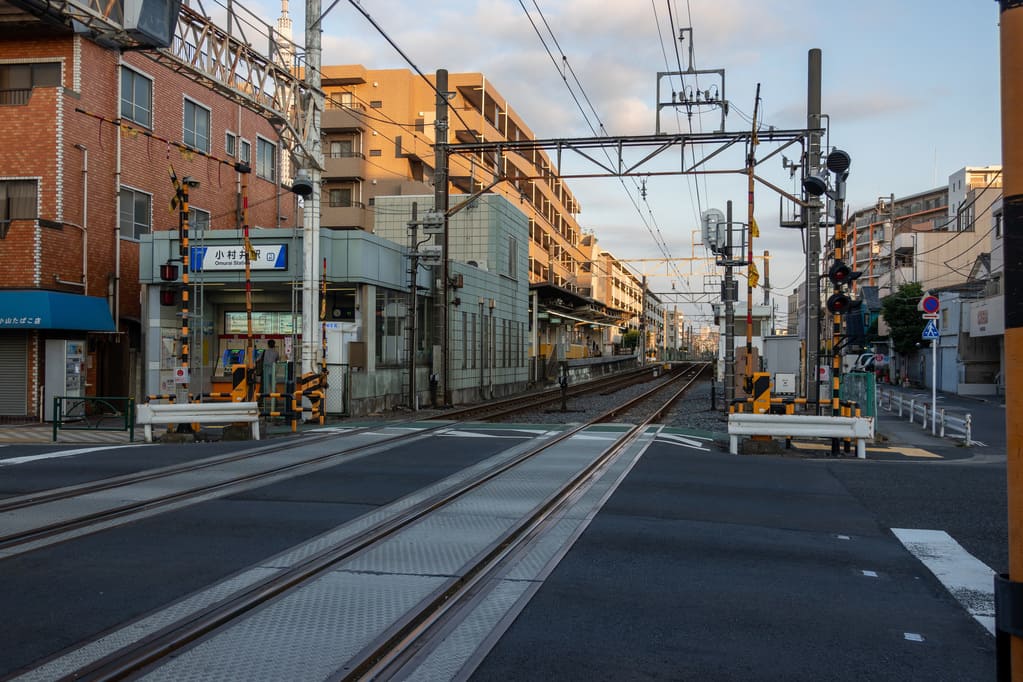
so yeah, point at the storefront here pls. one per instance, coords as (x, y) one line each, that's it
(51, 345)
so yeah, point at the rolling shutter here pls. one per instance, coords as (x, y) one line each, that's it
(14, 370)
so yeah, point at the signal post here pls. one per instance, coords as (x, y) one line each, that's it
(1009, 589)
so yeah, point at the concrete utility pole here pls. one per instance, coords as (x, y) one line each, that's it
(1009, 590)
(813, 233)
(729, 313)
(440, 205)
(311, 329)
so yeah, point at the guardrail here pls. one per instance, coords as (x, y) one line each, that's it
(197, 413)
(941, 422)
(800, 426)
(93, 413)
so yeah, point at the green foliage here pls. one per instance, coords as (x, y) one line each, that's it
(630, 339)
(903, 319)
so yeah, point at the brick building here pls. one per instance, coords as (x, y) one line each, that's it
(89, 137)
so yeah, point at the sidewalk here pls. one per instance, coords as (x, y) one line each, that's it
(896, 430)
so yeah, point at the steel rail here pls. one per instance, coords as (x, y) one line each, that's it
(14, 540)
(133, 658)
(413, 637)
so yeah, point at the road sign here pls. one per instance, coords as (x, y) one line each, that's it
(930, 304)
(930, 316)
(930, 331)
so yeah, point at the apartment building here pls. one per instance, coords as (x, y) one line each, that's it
(931, 237)
(90, 137)
(378, 135)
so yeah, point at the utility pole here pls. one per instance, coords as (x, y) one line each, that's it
(414, 306)
(751, 224)
(642, 326)
(311, 331)
(813, 232)
(729, 312)
(1009, 589)
(440, 205)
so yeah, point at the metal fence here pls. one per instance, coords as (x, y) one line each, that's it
(94, 413)
(940, 422)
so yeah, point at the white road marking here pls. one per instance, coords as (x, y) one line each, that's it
(63, 453)
(913, 637)
(967, 578)
(663, 438)
(842, 537)
(682, 439)
(472, 434)
(870, 574)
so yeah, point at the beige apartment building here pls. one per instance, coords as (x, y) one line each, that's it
(378, 134)
(378, 131)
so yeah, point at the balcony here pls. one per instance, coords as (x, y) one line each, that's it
(346, 215)
(345, 165)
(15, 97)
(345, 118)
(905, 243)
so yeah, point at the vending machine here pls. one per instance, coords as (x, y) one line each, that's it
(65, 373)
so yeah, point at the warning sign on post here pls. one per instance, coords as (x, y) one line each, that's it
(181, 375)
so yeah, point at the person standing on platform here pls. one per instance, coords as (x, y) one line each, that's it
(270, 358)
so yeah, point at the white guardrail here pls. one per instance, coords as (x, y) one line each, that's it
(860, 429)
(940, 422)
(197, 413)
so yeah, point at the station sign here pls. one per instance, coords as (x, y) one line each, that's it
(232, 257)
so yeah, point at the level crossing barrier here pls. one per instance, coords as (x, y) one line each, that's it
(197, 413)
(800, 426)
(914, 409)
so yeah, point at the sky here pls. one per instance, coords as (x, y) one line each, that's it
(910, 89)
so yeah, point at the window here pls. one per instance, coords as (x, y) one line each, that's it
(375, 152)
(465, 342)
(513, 257)
(341, 198)
(376, 104)
(266, 159)
(245, 152)
(136, 97)
(198, 219)
(17, 202)
(340, 149)
(136, 213)
(230, 143)
(196, 131)
(998, 225)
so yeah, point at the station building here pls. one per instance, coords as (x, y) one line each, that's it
(90, 136)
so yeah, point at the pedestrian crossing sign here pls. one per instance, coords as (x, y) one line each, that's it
(930, 331)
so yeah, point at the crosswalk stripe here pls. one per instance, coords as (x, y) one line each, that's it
(967, 578)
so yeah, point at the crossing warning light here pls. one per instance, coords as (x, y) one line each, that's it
(841, 274)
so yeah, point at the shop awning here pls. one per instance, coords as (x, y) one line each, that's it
(54, 310)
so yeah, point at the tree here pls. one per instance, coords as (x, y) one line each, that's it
(903, 318)
(630, 339)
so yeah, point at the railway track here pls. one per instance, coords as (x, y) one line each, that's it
(166, 649)
(18, 533)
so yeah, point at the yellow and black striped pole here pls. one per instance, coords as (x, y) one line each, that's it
(1009, 591)
(250, 360)
(184, 285)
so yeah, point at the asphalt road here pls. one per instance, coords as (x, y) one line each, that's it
(700, 566)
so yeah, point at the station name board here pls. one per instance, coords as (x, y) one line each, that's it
(232, 257)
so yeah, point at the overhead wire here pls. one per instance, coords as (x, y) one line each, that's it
(662, 246)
